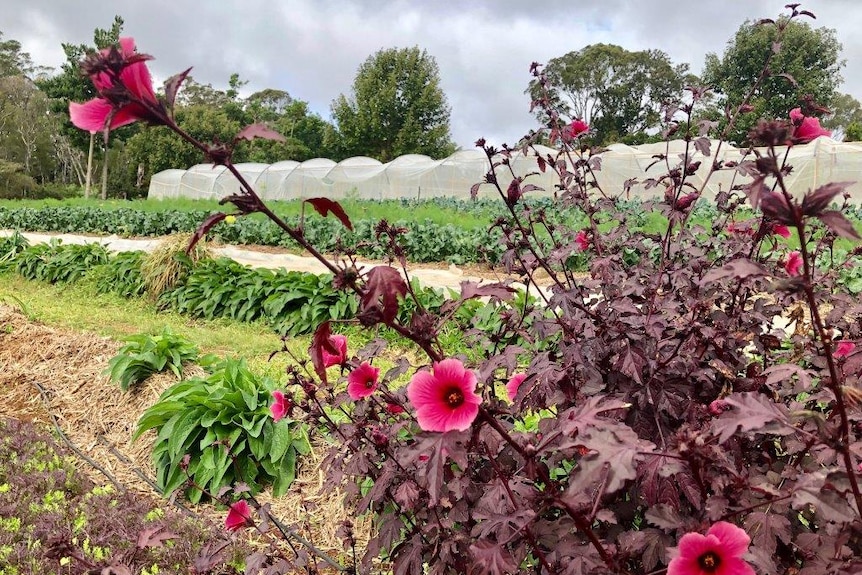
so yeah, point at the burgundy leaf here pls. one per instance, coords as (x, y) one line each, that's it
(775, 206)
(543, 165)
(474, 190)
(663, 516)
(739, 268)
(586, 416)
(755, 189)
(499, 291)
(752, 412)
(116, 569)
(383, 286)
(531, 188)
(408, 557)
(767, 528)
(828, 504)
(492, 558)
(172, 86)
(702, 145)
(258, 130)
(815, 202)
(513, 194)
(325, 206)
(632, 363)
(320, 342)
(153, 537)
(839, 224)
(211, 555)
(204, 229)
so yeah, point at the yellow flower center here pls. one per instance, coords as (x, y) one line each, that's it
(709, 561)
(454, 397)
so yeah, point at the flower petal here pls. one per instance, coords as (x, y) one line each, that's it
(90, 116)
(734, 540)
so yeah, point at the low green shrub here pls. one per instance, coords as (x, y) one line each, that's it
(223, 423)
(144, 355)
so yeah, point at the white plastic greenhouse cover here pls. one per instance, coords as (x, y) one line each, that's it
(416, 176)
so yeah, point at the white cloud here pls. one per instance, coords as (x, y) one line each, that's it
(312, 48)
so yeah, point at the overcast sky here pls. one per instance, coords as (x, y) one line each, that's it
(312, 48)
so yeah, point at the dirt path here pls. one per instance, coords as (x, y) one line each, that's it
(432, 275)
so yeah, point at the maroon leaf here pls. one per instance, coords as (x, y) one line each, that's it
(172, 86)
(474, 190)
(499, 291)
(739, 268)
(513, 193)
(586, 416)
(632, 363)
(153, 537)
(663, 516)
(839, 224)
(702, 145)
(325, 206)
(775, 206)
(815, 202)
(204, 229)
(408, 557)
(610, 463)
(116, 568)
(543, 165)
(752, 412)
(492, 558)
(829, 505)
(767, 528)
(320, 342)
(754, 189)
(383, 286)
(531, 188)
(253, 131)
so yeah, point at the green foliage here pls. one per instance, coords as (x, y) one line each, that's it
(397, 107)
(10, 247)
(57, 263)
(121, 275)
(224, 425)
(619, 93)
(424, 241)
(811, 56)
(144, 355)
(294, 303)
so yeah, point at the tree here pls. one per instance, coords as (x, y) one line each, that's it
(845, 111)
(619, 93)
(397, 107)
(807, 63)
(71, 85)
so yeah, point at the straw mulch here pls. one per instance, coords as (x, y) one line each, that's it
(96, 415)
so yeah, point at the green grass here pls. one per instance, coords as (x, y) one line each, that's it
(78, 307)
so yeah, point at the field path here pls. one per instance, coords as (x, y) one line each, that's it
(431, 275)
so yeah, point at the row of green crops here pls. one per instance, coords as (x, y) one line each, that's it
(293, 303)
(424, 241)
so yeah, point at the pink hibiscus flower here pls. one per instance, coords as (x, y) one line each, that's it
(280, 406)
(339, 342)
(806, 129)
(578, 128)
(781, 230)
(793, 263)
(582, 240)
(239, 516)
(718, 552)
(124, 98)
(843, 348)
(514, 384)
(445, 398)
(362, 381)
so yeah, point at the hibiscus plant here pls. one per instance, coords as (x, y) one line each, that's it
(689, 406)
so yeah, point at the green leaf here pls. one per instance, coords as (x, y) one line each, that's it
(286, 474)
(281, 441)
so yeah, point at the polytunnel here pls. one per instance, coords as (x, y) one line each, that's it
(416, 176)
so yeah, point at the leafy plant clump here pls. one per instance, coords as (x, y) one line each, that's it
(213, 432)
(169, 264)
(55, 520)
(144, 355)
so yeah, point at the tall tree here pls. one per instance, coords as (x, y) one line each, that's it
(619, 93)
(807, 62)
(397, 107)
(71, 85)
(845, 113)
